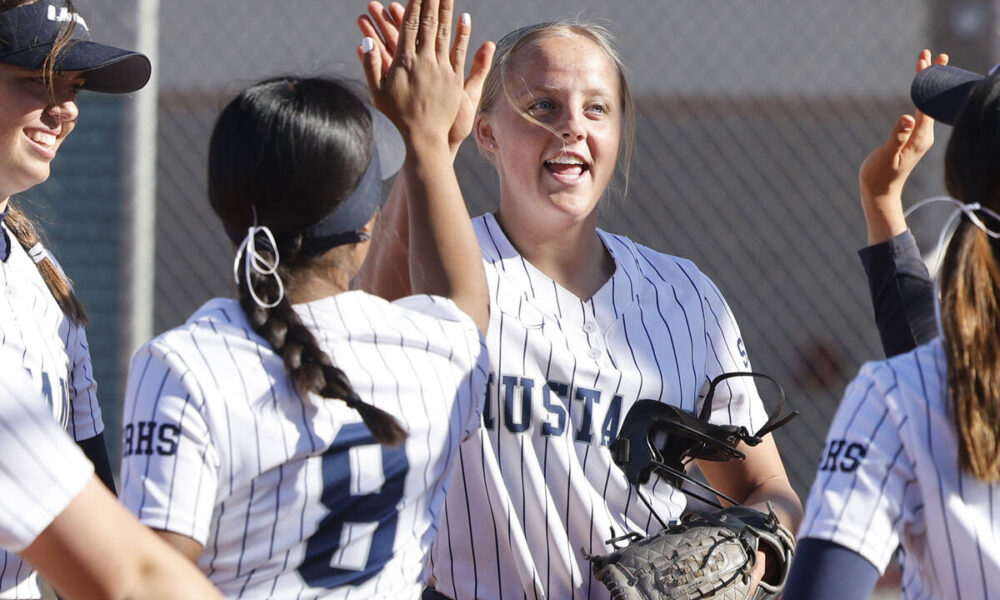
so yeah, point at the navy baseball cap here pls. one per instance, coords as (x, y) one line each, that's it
(27, 34)
(939, 91)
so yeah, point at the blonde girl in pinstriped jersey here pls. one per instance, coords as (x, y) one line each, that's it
(583, 323)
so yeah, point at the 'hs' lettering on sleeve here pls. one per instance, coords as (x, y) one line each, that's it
(842, 456)
(147, 437)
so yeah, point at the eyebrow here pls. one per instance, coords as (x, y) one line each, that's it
(544, 89)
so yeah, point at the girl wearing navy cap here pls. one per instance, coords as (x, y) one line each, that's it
(46, 56)
(912, 464)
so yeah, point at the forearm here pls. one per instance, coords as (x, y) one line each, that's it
(757, 480)
(778, 493)
(883, 213)
(96, 549)
(444, 253)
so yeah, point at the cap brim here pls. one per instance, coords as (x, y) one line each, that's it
(391, 148)
(106, 68)
(939, 91)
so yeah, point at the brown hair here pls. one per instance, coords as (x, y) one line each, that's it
(970, 284)
(18, 222)
(509, 45)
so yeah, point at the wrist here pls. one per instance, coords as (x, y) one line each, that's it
(418, 141)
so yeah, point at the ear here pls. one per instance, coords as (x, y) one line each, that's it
(484, 134)
(369, 227)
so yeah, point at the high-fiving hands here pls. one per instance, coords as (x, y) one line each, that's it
(396, 33)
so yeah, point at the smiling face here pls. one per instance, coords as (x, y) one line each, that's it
(556, 133)
(33, 125)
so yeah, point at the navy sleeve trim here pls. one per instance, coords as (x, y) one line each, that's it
(902, 293)
(823, 570)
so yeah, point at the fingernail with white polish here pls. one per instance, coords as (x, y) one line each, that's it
(465, 19)
(367, 45)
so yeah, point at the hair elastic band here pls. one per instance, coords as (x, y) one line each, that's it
(255, 262)
(38, 253)
(969, 210)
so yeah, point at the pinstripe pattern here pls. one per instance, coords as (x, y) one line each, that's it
(35, 454)
(56, 356)
(907, 492)
(247, 478)
(537, 483)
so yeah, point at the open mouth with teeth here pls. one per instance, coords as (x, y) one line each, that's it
(567, 166)
(43, 138)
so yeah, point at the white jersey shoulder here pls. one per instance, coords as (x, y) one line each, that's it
(56, 356)
(52, 349)
(292, 497)
(889, 480)
(41, 469)
(564, 372)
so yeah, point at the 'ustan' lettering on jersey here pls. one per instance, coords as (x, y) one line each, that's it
(558, 401)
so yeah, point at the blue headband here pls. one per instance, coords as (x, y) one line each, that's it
(344, 225)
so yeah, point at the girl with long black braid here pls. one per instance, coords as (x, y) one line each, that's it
(298, 441)
(255, 129)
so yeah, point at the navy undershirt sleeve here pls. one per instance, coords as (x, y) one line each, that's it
(823, 570)
(902, 293)
(95, 449)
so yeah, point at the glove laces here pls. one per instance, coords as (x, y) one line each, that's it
(254, 262)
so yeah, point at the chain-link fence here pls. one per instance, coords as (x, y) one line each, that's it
(754, 116)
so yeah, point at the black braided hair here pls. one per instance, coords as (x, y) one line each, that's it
(290, 150)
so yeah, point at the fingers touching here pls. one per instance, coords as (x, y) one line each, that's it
(426, 19)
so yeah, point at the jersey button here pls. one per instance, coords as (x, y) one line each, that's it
(594, 353)
(589, 327)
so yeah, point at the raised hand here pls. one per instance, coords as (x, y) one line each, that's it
(381, 24)
(887, 167)
(421, 88)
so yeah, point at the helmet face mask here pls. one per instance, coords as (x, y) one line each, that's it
(657, 437)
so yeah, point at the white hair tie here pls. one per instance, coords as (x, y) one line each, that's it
(254, 262)
(38, 253)
(968, 210)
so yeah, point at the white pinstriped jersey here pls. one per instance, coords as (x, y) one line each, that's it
(537, 486)
(54, 352)
(293, 498)
(41, 469)
(889, 479)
